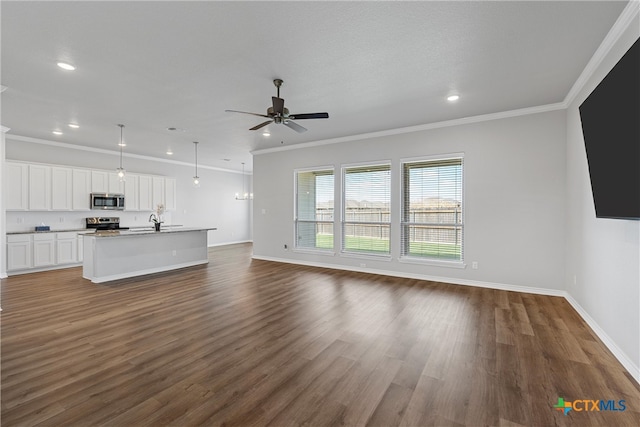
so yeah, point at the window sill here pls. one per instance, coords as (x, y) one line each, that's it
(385, 257)
(433, 262)
(327, 252)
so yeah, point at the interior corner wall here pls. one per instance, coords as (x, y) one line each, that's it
(3, 224)
(514, 200)
(602, 255)
(211, 205)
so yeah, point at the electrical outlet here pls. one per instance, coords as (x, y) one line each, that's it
(474, 265)
(61, 219)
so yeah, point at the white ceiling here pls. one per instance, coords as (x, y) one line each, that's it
(372, 66)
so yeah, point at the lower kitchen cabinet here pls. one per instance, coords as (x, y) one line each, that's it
(42, 251)
(19, 252)
(66, 248)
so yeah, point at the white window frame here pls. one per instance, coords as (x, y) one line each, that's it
(297, 221)
(343, 222)
(441, 262)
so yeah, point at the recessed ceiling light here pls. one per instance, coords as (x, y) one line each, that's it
(266, 133)
(56, 132)
(169, 152)
(66, 66)
(74, 126)
(453, 98)
(174, 129)
(122, 144)
(227, 160)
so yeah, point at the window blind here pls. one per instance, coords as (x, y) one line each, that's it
(366, 214)
(314, 209)
(432, 210)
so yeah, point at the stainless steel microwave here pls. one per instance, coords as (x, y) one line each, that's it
(107, 201)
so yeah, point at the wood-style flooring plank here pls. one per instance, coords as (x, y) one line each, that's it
(242, 342)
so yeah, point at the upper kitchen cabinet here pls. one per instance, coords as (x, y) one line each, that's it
(99, 181)
(116, 186)
(158, 191)
(145, 193)
(61, 189)
(131, 193)
(16, 186)
(39, 188)
(81, 189)
(170, 194)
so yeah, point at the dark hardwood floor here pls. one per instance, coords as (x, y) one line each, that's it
(251, 343)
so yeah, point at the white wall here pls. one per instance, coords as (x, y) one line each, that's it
(3, 236)
(211, 205)
(514, 199)
(602, 254)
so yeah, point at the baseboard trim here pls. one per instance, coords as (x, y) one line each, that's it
(622, 357)
(454, 281)
(626, 362)
(229, 243)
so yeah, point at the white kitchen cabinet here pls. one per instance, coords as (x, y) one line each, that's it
(61, 189)
(115, 186)
(145, 193)
(39, 188)
(170, 194)
(99, 181)
(158, 191)
(19, 252)
(80, 248)
(131, 193)
(44, 250)
(66, 248)
(81, 192)
(16, 186)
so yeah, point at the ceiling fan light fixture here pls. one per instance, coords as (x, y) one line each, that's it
(453, 98)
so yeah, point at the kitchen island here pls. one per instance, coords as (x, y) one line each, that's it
(113, 255)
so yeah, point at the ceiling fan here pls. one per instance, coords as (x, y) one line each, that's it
(278, 114)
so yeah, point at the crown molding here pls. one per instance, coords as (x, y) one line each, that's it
(58, 144)
(629, 13)
(418, 128)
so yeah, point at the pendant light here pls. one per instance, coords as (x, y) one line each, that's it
(196, 178)
(244, 195)
(121, 172)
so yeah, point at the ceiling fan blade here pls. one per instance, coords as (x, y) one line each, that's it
(261, 125)
(294, 126)
(309, 116)
(246, 112)
(278, 105)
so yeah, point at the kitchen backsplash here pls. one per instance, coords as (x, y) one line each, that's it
(20, 221)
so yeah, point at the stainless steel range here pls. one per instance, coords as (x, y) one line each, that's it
(105, 223)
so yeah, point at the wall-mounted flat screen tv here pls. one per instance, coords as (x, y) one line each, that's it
(611, 128)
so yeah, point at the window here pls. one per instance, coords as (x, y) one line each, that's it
(366, 210)
(314, 209)
(432, 220)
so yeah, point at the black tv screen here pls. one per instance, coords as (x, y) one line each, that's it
(611, 128)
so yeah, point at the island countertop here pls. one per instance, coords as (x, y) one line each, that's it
(143, 231)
